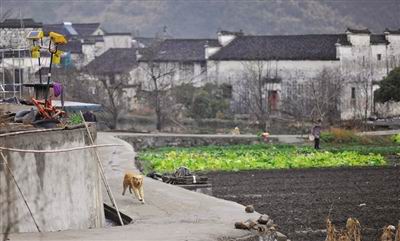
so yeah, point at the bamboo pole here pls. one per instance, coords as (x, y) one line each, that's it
(102, 171)
(57, 151)
(19, 189)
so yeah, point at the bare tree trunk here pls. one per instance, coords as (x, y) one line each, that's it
(158, 104)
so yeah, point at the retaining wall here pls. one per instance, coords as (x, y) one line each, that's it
(62, 189)
(142, 141)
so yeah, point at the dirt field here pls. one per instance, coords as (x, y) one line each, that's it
(300, 200)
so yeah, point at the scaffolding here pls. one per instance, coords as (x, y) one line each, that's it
(11, 83)
(12, 76)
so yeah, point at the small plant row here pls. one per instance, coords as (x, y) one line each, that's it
(242, 157)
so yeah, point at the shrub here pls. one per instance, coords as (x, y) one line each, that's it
(327, 136)
(396, 138)
(75, 119)
(338, 135)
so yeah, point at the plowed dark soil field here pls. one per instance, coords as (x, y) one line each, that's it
(300, 200)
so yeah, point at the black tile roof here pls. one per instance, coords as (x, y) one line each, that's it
(58, 28)
(72, 46)
(224, 32)
(358, 31)
(117, 33)
(378, 39)
(143, 41)
(85, 28)
(180, 50)
(91, 39)
(281, 47)
(16, 23)
(396, 31)
(118, 60)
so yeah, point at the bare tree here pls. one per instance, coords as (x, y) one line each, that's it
(362, 101)
(252, 89)
(317, 98)
(160, 82)
(326, 90)
(94, 86)
(108, 90)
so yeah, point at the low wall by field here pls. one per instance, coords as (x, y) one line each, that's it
(142, 141)
(62, 189)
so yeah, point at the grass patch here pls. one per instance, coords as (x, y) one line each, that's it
(248, 157)
(396, 138)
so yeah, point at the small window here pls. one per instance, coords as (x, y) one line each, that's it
(353, 93)
(379, 57)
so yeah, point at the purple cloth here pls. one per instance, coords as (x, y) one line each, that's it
(57, 89)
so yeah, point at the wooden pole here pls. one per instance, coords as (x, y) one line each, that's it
(102, 171)
(19, 189)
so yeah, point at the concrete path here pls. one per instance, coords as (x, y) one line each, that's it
(170, 212)
(379, 133)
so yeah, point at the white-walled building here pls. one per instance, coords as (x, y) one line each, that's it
(360, 57)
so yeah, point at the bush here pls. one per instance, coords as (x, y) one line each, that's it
(338, 135)
(327, 136)
(208, 101)
(396, 138)
(75, 119)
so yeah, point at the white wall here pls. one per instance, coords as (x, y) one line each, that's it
(117, 41)
(228, 71)
(358, 39)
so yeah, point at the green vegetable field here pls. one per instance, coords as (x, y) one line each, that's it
(242, 157)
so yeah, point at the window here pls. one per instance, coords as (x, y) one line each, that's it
(379, 57)
(353, 93)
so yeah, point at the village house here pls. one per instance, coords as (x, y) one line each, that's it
(86, 41)
(184, 58)
(360, 57)
(289, 64)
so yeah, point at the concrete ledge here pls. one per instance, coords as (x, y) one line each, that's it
(143, 141)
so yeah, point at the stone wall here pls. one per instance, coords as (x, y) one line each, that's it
(62, 189)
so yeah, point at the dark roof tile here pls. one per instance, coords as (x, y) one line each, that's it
(58, 28)
(85, 28)
(180, 50)
(378, 39)
(72, 46)
(358, 31)
(284, 47)
(17, 23)
(119, 60)
(392, 31)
